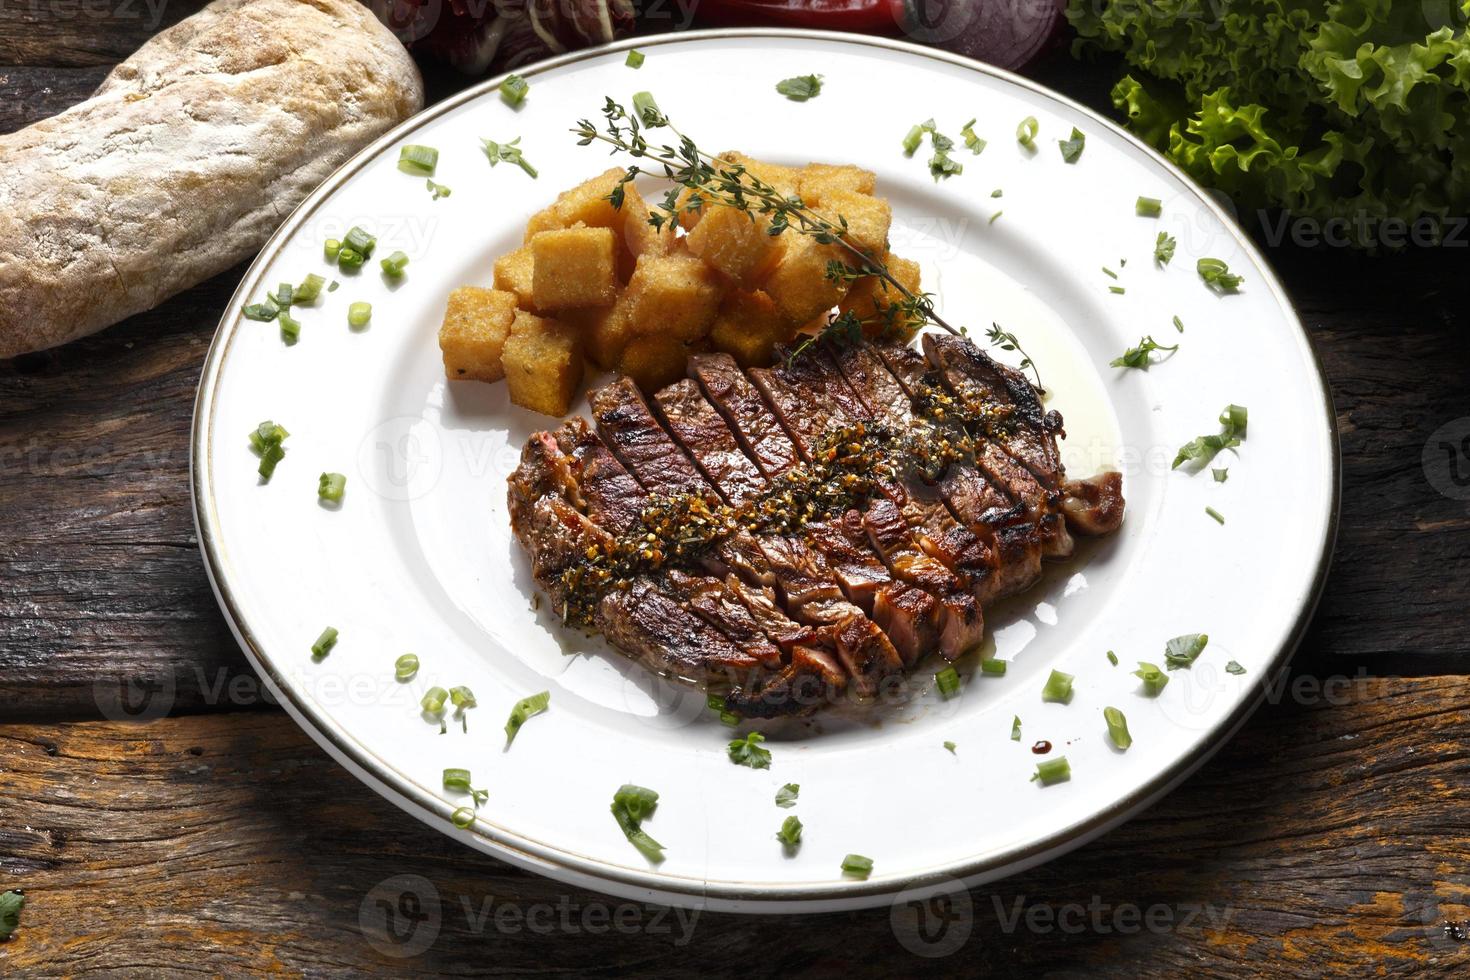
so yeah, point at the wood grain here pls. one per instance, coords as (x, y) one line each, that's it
(1327, 839)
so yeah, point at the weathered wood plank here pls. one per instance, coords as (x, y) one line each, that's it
(1327, 839)
(83, 33)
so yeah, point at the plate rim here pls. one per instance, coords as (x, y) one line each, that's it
(651, 885)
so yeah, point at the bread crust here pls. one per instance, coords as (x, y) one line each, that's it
(186, 159)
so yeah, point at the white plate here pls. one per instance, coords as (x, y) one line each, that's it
(420, 556)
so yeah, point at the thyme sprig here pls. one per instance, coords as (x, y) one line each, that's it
(710, 180)
(1007, 341)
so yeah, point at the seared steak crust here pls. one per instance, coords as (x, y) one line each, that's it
(788, 616)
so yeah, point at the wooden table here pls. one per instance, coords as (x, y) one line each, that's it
(1331, 836)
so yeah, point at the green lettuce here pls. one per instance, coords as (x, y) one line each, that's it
(1357, 110)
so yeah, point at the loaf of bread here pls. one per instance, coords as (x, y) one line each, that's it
(186, 159)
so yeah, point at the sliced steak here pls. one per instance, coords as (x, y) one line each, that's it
(613, 499)
(699, 429)
(1095, 505)
(745, 412)
(628, 428)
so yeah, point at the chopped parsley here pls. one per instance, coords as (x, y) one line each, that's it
(940, 164)
(801, 87)
(790, 832)
(1164, 248)
(1217, 275)
(525, 709)
(786, 795)
(1072, 148)
(950, 746)
(632, 805)
(1202, 449)
(1234, 668)
(1138, 357)
(997, 192)
(1183, 651)
(507, 153)
(11, 904)
(747, 751)
(1117, 727)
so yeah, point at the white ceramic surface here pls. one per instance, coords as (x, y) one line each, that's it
(420, 557)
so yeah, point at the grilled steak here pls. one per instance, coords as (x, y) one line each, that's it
(790, 533)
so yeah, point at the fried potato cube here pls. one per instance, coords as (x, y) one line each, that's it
(605, 332)
(639, 237)
(573, 267)
(868, 299)
(734, 243)
(655, 360)
(472, 337)
(543, 364)
(818, 180)
(868, 219)
(513, 275)
(786, 180)
(748, 326)
(587, 203)
(799, 284)
(674, 295)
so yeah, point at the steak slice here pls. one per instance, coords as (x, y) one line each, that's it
(628, 428)
(1095, 505)
(613, 499)
(695, 425)
(745, 412)
(646, 622)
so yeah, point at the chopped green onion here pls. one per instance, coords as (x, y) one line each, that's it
(260, 311)
(394, 264)
(1016, 728)
(790, 832)
(1053, 771)
(463, 818)
(973, 143)
(1234, 668)
(1112, 658)
(747, 751)
(1072, 148)
(1138, 357)
(948, 682)
(360, 241)
(1026, 132)
(1164, 248)
(1217, 275)
(349, 259)
(998, 192)
(647, 110)
(1203, 449)
(1109, 273)
(635, 59)
(438, 190)
(524, 709)
(330, 486)
(1183, 651)
(433, 700)
(857, 866)
(1117, 290)
(267, 441)
(1117, 727)
(1058, 687)
(800, 88)
(1219, 518)
(994, 217)
(406, 666)
(950, 746)
(1220, 475)
(1178, 324)
(332, 288)
(462, 697)
(991, 665)
(310, 288)
(915, 137)
(418, 160)
(630, 806)
(330, 249)
(459, 780)
(786, 795)
(1148, 207)
(358, 315)
(1154, 679)
(324, 643)
(285, 296)
(513, 90)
